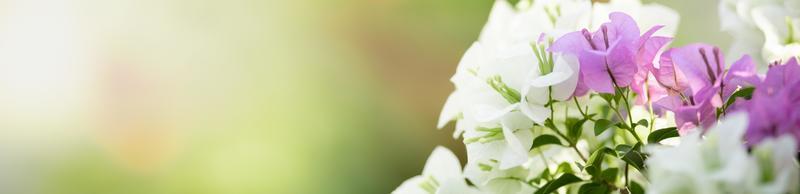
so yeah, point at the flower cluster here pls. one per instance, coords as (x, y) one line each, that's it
(571, 95)
(769, 29)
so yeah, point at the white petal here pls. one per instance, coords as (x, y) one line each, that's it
(442, 165)
(730, 130)
(411, 186)
(504, 186)
(489, 113)
(450, 111)
(514, 63)
(472, 57)
(456, 186)
(549, 79)
(569, 65)
(537, 113)
(517, 151)
(464, 124)
(655, 14)
(532, 104)
(495, 28)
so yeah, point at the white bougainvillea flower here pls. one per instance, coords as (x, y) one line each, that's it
(441, 175)
(491, 179)
(781, 29)
(510, 151)
(486, 100)
(494, 83)
(509, 25)
(720, 163)
(753, 22)
(561, 82)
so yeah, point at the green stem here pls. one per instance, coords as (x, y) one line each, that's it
(649, 104)
(583, 113)
(552, 119)
(628, 107)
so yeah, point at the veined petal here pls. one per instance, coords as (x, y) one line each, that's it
(595, 71)
(621, 62)
(668, 75)
(623, 27)
(689, 60)
(571, 43)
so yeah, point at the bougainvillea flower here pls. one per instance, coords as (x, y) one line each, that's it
(697, 112)
(700, 82)
(669, 76)
(702, 64)
(644, 84)
(442, 174)
(778, 76)
(608, 57)
(773, 108)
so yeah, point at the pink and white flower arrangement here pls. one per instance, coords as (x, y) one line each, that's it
(565, 96)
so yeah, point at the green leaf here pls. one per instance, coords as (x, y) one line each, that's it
(745, 93)
(575, 130)
(594, 165)
(552, 186)
(636, 188)
(610, 174)
(601, 125)
(622, 125)
(622, 149)
(593, 188)
(642, 122)
(545, 139)
(545, 175)
(634, 157)
(661, 134)
(564, 167)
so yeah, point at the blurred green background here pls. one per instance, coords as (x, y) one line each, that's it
(235, 96)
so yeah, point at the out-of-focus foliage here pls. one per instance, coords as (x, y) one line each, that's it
(234, 96)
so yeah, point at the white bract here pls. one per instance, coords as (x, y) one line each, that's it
(767, 29)
(499, 85)
(441, 175)
(720, 163)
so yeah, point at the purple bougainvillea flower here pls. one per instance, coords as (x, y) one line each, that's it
(778, 76)
(609, 56)
(669, 76)
(742, 73)
(773, 108)
(647, 87)
(691, 111)
(702, 65)
(644, 83)
(697, 81)
(699, 66)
